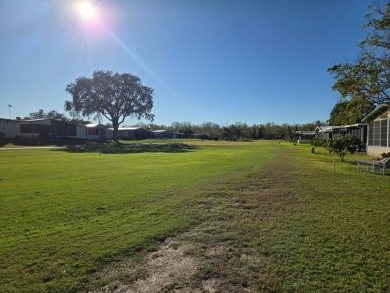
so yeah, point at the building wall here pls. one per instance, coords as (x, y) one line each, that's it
(162, 134)
(80, 131)
(9, 128)
(47, 128)
(377, 151)
(130, 133)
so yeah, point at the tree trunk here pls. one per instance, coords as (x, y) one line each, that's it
(115, 125)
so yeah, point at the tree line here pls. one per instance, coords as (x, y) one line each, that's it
(209, 130)
(236, 131)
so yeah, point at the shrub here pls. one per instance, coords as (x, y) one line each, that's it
(344, 144)
(319, 142)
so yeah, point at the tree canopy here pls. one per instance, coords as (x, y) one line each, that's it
(347, 112)
(111, 95)
(41, 114)
(365, 83)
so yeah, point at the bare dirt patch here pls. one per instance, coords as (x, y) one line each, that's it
(168, 268)
(174, 267)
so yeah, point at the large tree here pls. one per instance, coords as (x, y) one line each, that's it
(113, 96)
(367, 79)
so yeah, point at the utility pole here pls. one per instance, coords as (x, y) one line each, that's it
(9, 110)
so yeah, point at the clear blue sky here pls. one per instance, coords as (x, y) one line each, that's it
(225, 61)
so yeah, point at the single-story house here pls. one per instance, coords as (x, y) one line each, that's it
(327, 132)
(162, 134)
(378, 132)
(305, 136)
(45, 128)
(133, 133)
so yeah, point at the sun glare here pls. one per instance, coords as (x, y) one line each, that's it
(86, 10)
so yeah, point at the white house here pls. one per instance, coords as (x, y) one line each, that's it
(378, 135)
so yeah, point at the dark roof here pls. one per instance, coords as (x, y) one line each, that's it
(376, 112)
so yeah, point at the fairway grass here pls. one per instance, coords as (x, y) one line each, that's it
(279, 216)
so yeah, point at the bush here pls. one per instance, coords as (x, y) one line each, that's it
(319, 142)
(344, 144)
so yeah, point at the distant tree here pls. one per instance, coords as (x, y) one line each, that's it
(139, 124)
(57, 116)
(210, 129)
(260, 132)
(40, 114)
(113, 96)
(187, 132)
(79, 121)
(367, 79)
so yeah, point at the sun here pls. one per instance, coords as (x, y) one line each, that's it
(86, 10)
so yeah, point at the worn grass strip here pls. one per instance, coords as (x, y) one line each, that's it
(296, 226)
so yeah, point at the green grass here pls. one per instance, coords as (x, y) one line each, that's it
(66, 214)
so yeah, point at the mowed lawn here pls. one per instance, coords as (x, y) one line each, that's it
(67, 214)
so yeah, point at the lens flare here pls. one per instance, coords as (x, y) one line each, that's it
(86, 10)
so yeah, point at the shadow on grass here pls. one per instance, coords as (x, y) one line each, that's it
(114, 148)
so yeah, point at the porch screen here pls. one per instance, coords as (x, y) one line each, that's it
(371, 133)
(375, 135)
(383, 132)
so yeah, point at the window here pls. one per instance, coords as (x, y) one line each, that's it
(93, 131)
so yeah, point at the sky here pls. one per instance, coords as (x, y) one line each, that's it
(222, 61)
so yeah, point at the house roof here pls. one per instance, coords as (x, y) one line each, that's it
(128, 128)
(326, 128)
(357, 125)
(95, 125)
(160, 131)
(9, 120)
(376, 112)
(306, 132)
(34, 120)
